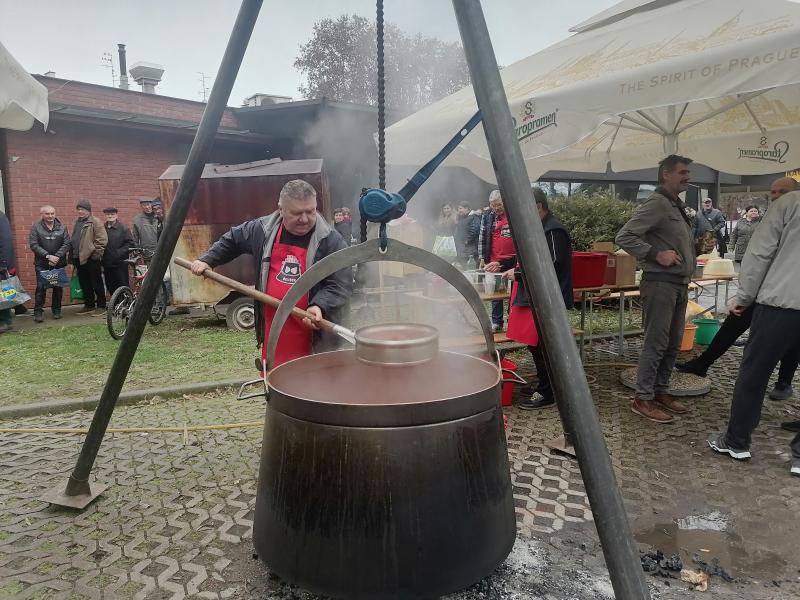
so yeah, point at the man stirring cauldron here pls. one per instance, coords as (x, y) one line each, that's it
(284, 245)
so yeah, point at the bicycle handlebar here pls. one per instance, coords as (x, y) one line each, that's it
(146, 253)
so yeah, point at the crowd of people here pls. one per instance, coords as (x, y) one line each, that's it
(660, 234)
(96, 249)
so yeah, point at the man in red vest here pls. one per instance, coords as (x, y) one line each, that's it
(283, 246)
(496, 248)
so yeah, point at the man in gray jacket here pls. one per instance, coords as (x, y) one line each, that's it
(769, 280)
(145, 227)
(659, 234)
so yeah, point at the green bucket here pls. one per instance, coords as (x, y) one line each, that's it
(706, 330)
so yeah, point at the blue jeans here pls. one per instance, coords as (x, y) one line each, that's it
(497, 312)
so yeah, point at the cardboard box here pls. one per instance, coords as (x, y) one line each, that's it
(603, 247)
(621, 269)
(620, 266)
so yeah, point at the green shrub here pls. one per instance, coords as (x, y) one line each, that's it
(595, 217)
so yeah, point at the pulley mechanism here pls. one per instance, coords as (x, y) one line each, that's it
(379, 206)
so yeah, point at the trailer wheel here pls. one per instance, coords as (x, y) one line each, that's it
(241, 314)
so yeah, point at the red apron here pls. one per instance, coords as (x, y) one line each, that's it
(502, 242)
(521, 327)
(286, 265)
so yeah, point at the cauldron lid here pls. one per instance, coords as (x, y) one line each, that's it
(397, 344)
(337, 389)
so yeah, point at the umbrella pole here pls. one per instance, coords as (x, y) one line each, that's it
(78, 493)
(575, 404)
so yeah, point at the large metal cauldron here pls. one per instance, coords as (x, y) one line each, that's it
(383, 481)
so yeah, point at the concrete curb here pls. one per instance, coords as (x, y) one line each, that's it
(132, 397)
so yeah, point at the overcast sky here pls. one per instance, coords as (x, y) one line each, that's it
(189, 36)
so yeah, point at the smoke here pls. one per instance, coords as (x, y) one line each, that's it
(342, 135)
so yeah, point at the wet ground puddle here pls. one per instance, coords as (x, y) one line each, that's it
(710, 536)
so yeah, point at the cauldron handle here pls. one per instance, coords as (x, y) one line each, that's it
(370, 251)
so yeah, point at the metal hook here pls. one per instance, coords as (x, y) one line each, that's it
(383, 238)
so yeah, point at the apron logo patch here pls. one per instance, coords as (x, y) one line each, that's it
(290, 270)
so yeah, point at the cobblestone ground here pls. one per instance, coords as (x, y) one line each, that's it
(176, 519)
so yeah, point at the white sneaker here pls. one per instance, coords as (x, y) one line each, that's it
(496, 327)
(795, 470)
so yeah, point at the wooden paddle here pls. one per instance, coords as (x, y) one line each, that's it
(298, 313)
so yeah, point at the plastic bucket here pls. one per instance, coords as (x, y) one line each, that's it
(687, 343)
(706, 330)
(588, 269)
(507, 389)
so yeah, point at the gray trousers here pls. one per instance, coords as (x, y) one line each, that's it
(664, 306)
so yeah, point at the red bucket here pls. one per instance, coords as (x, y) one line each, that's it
(509, 369)
(588, 269)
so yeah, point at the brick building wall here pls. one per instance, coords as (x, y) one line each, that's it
(108, 166)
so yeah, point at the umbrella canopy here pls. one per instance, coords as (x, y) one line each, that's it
(22, 98)
(716, 80)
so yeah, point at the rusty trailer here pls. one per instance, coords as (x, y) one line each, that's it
(226, 196)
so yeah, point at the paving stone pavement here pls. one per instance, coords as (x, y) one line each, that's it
(176, 520)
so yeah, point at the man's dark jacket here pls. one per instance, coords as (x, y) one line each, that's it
(257, 238)
(468, 230)
(345, 229)
(7, 259)
(560, 247)
(120, 241)
(44, 241)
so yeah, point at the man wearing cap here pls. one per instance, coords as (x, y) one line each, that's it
(145, 227)
(711, 219)
(49, 242)
(120, 240)
(284, 245)
(88, 242)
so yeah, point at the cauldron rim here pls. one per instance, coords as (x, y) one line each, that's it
(298, 404)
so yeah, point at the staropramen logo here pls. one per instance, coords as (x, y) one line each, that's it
(777, 153)
(530, 123)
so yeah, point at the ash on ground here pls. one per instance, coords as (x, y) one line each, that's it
(533, 571)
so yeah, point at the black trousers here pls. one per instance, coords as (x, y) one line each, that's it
(544, 387)
(773, 336)
(733, 327)
(91, 278)
(40, 296)
(116, 276)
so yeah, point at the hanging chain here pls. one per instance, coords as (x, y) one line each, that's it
(381, 101)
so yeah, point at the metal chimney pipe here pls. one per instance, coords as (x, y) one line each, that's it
(123, 67)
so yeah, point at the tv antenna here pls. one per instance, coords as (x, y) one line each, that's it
(108, 62)
(203, 86)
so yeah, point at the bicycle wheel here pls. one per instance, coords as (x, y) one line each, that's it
(119, 311)
(159, 309)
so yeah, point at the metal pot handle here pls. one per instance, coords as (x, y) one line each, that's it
(370, 251)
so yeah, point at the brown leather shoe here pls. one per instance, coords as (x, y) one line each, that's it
(671, 404)
(649, 410)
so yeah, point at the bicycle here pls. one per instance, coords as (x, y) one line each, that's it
(123, 300)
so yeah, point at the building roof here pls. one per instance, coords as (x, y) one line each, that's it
(132, 119)
(259, 168)
(284, 119)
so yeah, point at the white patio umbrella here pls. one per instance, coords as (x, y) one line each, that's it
(716, 80)
(22, 98)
